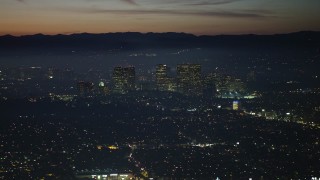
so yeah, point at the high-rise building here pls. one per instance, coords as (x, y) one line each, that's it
(130, 77)
(189, 79)
(123, 79)
(118, 81)
(229, 87)
(162, 80)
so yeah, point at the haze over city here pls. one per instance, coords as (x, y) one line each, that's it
(160, 89)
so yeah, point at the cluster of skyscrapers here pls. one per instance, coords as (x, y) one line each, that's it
(188, 81)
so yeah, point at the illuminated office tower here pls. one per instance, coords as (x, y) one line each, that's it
(237, 86)
(226, 82)
(130, 77)
(118, 81)
(162, 80)
(229, 87)
(171, 84)
(123, 79)
(189, 79)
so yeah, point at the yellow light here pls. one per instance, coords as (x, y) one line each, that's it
(113, 147)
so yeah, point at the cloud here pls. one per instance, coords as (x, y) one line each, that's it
(199, 2)
(132, 2)
(214, 2)
(228, 14)
(172, 11)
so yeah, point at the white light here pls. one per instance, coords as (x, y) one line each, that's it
(101, 84)
(288, 114)
(113, 174)
(192, 110)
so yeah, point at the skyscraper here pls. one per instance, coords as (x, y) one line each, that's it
(189, 79)
(123, 79)
(229, 87)
(162, 80)
(130, 77)
(118, 81)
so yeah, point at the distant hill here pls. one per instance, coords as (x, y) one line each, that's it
(134, 40)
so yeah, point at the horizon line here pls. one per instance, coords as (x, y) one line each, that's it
(144, 33)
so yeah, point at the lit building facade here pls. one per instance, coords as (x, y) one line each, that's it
(189, 79)
(130, 77)
(118, 81)
(162, 80)
(123, 79)
(229, 87)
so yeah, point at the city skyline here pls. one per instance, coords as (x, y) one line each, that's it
(159, 90)
(24, 17)
(160, 106)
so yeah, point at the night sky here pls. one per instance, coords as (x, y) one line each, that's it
(20, 17)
